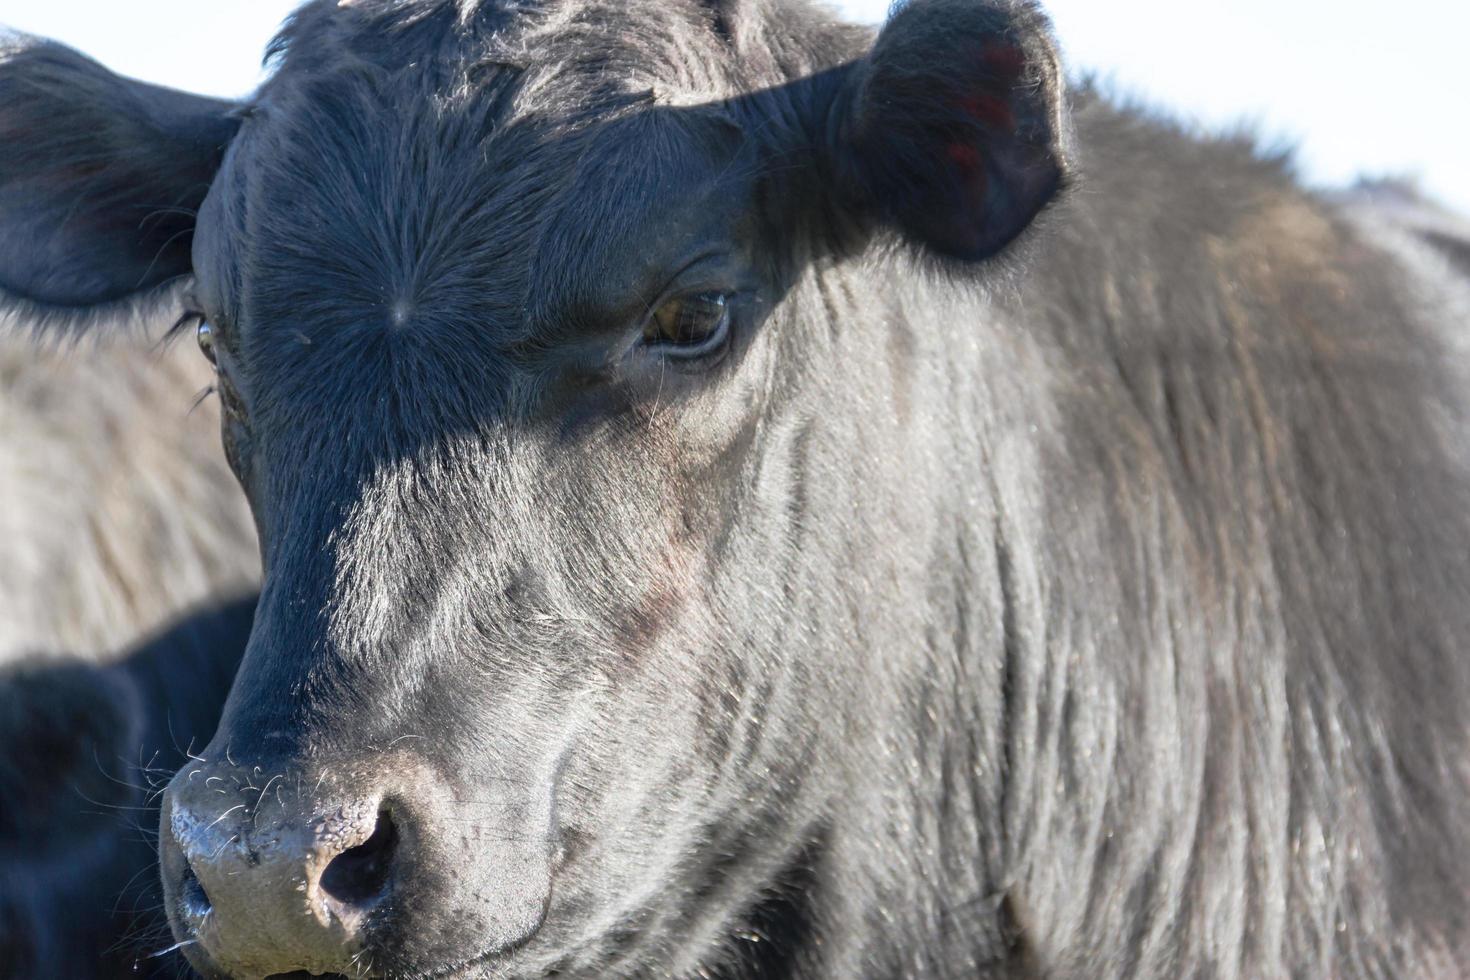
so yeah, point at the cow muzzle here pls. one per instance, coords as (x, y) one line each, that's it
(272, 871)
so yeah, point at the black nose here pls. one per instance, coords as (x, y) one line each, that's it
(349, 866)
(268, 882)
(357, 879)
(353, 883)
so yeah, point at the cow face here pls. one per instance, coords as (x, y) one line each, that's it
(541, 343)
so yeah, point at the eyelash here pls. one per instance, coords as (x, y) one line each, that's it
(230, 401)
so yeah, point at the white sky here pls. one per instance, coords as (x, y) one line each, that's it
(1361, 86)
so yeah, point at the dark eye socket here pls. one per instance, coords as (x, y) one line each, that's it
(689, 326)
(205, 334)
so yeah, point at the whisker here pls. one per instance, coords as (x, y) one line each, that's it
(173, 949)
(222, 816)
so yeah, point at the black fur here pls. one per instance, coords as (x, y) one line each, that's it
(100, 179)
(88, 750)
(1093, 613)
(953, 128)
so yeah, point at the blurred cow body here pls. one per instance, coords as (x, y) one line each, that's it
(117, 510)
(126, 569)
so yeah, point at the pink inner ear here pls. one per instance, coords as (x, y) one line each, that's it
(974, 180)
(963, 222)
(1004, 61)
(965, 156)
(990, 110)
(1001, 65)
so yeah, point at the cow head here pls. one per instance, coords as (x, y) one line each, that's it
(562, 357)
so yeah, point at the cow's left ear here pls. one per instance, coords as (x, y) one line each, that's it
(953, 129)
(100, 177)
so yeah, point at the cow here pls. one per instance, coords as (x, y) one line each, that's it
(740, 495)
(118, 512)
(128, 567)
(87, 748)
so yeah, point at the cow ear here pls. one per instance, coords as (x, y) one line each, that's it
(953, 129)
(100, 178)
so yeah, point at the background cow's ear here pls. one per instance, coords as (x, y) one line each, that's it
(953, 129)
(100, 177)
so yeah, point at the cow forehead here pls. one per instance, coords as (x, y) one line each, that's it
(470, 189)
(386, 236)
(384, 243)
(678, 44)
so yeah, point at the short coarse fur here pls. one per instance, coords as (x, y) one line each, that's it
(1100, 615)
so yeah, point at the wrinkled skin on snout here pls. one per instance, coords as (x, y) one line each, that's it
(545, 354)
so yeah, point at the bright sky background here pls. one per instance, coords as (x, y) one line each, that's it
(1361, 86)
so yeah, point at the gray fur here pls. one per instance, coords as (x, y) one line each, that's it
(1096, 611)
(117, 511)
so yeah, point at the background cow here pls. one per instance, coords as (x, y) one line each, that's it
(708, 532)
(126, 562)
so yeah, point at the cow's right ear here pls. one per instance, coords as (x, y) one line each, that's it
(953, 129)
(100, 178)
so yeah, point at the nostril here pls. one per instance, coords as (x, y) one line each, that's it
(193, 896)
(359, 877)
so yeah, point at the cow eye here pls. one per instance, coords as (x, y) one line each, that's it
(689, 326)
(205, 334)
